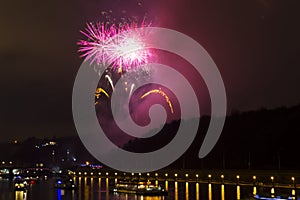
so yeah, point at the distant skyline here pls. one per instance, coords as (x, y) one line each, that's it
(255, 45)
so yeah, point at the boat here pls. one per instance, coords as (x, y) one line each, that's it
(65, 183)
(20, 184)
(139, 188)
(277, 197)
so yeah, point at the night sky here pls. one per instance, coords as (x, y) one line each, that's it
(254, 43)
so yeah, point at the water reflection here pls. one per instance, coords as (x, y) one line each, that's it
(86, 190)
(73, 194)
(106, 187)
(272, 192)
(238, 192)
(79, 182)
(222, 192)
(197, 191)
(187, 191)
(92, 188)
(176, 190)
(167, 186)
(254, 191)
(150, 198)
(293, 194)
(20, 195)
(98, 189)
(209, 192)
(60, 193)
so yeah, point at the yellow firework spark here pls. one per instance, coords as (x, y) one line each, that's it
(162, 93)
(99, 91)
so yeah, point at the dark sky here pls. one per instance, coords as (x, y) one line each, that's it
(254, 43)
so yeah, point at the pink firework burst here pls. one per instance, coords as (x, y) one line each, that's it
(111, 44)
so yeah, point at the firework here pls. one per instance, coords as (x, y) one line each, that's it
(113, 45)
(99, 91)
(163, 94)
(131, 89)
(110, 82)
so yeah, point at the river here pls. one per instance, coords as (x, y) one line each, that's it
(98, 189)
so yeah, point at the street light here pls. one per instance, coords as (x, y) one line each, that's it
(209, 178)
(272, 179)
(293, 179)
(222, 177)
(254, 180)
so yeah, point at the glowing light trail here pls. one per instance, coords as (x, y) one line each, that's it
(99, 91)
(162, 93)
(110, 82)
(131, 89)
